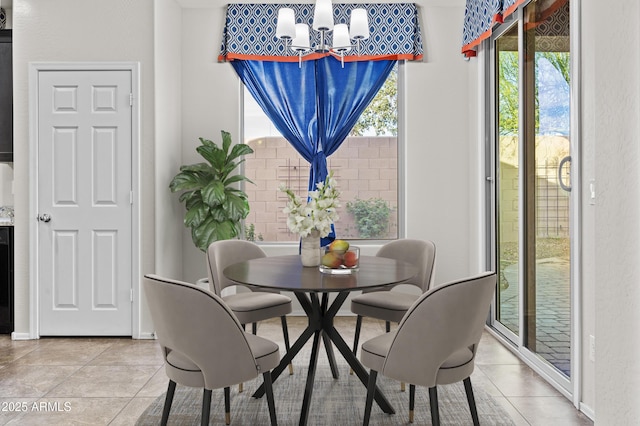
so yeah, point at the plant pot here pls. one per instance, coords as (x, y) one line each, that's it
(310, 254)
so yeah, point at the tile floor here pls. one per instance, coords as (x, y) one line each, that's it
(110, 381)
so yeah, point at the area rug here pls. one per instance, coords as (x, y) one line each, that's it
(336, 402)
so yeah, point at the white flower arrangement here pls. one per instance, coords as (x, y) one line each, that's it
(318, 213)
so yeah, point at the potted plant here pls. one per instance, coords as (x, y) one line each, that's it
(215, 207)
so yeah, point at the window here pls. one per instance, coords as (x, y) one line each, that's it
(366, 167)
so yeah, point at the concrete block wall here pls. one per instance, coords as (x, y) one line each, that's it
(365, 167)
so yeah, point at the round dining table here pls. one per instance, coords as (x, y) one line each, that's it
(312, 288)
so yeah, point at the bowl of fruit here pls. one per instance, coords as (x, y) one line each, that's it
(340, 258)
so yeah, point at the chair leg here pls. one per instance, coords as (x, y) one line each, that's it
(356, 338)
(227, 405)
(433, 402)
(244, 328)
(268, 389)
(412, 401)
(254, 328)
(371, 389)
(285, 334)
(472, 402)
(206, 407)
(167, 402)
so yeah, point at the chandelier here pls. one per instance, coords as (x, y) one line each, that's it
(296, 36)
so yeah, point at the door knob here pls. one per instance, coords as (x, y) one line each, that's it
(44, 217)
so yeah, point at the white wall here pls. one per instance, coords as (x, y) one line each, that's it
(611, 105)
(210, 102)
(168, 140)
(442, 155)
(79, 30)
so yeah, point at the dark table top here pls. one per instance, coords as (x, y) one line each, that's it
(287, 273)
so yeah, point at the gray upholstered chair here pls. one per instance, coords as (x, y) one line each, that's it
(435, 343)
(250, 307)
(204, 345)
(388, 305)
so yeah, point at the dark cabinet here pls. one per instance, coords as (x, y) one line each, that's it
(6, 97)
(6, 279)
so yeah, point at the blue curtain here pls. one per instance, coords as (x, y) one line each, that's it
(316, 104)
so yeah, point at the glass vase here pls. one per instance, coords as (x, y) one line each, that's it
(310, 254)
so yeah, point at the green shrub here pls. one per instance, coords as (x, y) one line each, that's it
(372, 216)
(250, 233)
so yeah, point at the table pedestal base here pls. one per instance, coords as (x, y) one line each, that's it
(321, 326)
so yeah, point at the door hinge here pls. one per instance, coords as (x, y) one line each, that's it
(131, 295)
(130, 99)
(131, 197)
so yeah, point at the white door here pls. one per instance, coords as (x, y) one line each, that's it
(84, 201)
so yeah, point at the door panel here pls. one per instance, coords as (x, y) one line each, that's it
(533, 194)
(84, 185)
(547, 131)
(65, 259)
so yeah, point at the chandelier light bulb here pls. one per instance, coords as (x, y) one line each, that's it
(286, 27)
(323, 16)
(359, 24)
(341, 41)
(301, 41)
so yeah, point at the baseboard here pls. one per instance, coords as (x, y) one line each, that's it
(21, 336)
(146, 336)
(27, 336)
(588, 411)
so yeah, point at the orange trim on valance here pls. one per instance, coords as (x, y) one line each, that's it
(512, 8)
(312, 56)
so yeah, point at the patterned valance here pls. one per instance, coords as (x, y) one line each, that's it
(510, 6)
(479, 18)
(250, 32)
(481, 15)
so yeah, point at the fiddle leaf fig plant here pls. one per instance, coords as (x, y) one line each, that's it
(215, 207)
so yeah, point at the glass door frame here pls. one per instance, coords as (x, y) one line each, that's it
(569, 387)
(492, 179)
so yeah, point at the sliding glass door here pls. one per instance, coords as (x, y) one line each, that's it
(548, 159)
(532, 151)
